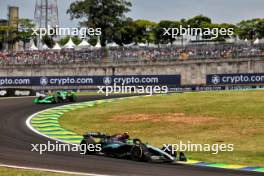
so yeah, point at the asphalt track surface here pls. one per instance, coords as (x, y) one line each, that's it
(16, 140)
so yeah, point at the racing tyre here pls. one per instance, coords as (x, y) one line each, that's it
(170, 150)
(55, 100)
(137, 153)
(85, 144)
(72, 98)
(182, 157)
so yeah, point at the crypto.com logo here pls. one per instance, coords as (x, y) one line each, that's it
(44, 81)
(216, 79)
(107, 80)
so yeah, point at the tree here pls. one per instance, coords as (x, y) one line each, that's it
(76, 40)
(25, 31)
(48, 40)
(125, 33)
(260, 28)
(4, 35)
(159, 31)
(247, 29)
(219, 36)
(198, 21)
(104, 14)
(144, 31)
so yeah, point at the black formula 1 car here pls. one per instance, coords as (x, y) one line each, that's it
(118, 147)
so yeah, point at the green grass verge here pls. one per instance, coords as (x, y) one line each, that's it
(96, 93)
(21, 172)
(235, 117)
(87, 93)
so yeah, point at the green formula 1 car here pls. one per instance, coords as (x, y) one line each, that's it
(58, 97)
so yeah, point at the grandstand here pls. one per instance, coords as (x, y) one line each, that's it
(132, 53)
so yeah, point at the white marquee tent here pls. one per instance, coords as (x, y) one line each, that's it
(44, 47)
(112, 45)
(142, 45)
(256, 41)
(33, 47)
(84, 44)
(56, 47)
(70, 44)
(98, 45)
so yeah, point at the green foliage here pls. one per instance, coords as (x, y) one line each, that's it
(158, 31)
(24, 172)
(260, 28)
(229, 117)
(76, 40)
(93, 41)
(125, 32)
(4, 31)
(250, 29)
(25, 31)
(144, 31)
(48, 41)
(198, 21)
(106, 15)
(110, 17)
(11, 34)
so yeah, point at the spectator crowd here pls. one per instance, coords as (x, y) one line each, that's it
(126, 54)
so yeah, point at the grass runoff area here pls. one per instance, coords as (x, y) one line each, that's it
(21, 172)
(224, 117)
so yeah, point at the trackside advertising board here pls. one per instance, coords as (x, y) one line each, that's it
(91, 80)
(235, 79)
(12, 92)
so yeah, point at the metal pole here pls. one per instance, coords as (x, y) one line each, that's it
(47, 14)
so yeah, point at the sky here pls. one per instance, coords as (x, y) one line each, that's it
(231, 11)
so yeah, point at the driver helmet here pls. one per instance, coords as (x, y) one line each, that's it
(126, 135)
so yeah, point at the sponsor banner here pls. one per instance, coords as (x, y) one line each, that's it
(3, 93)
(16, 92)
(192, 88)
(235, 79)
(91, 80)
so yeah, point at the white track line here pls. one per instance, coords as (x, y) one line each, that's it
(49, 170)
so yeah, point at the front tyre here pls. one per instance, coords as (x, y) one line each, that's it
(55, 100)
(137, 153)
(72, 98)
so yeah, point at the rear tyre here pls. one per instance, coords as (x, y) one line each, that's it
(60, 100)
(182, 157)
(84, 146)
(72, 98)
